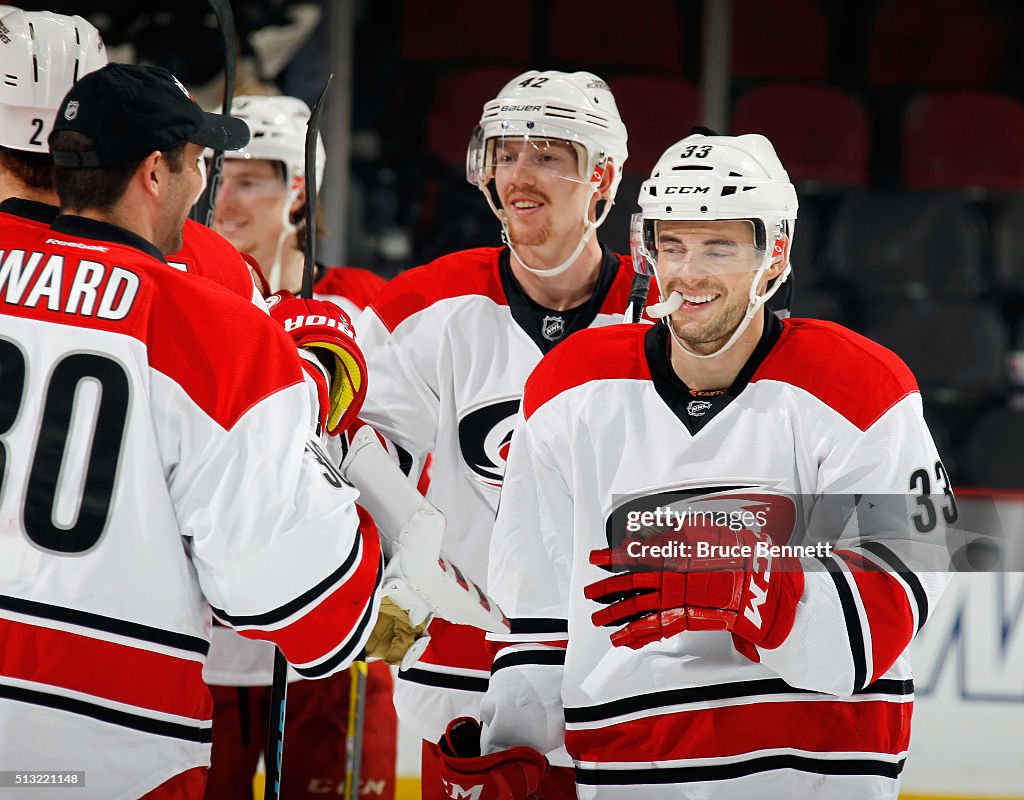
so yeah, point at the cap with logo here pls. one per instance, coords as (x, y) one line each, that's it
(128, 111)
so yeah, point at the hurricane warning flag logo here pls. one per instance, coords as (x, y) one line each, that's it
(485, 434)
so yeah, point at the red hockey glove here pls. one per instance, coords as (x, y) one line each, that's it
(512, 774)
(692, 584)
(325, 330)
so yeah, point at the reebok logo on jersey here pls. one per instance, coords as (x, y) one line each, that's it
(698, 408)
(78, 245)
(485, 434)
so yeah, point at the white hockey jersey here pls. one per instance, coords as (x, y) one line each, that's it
(448, 349)
(817, 413)
(156, 464)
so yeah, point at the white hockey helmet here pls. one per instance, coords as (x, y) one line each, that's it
(577, 107)
(541, 107)
(711, 177)
(278, 127)
(43, 55)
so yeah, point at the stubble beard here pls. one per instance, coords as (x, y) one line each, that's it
(713, 333)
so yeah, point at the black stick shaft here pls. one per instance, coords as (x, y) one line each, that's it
(275, 734)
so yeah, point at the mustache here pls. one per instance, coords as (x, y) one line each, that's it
(514, 190)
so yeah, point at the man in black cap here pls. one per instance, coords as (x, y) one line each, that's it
(131, 140)
(156, 465)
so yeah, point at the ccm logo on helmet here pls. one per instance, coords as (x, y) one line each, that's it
(521, 108)
(687, 189)
(484, 437)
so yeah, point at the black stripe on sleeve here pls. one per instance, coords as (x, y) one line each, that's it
(347, 652)
(853, 627)
(268, 618)
(444, 680)
(546, 657)
(137, 722)
(753, 766)
(530, 625)
(764, 687)
(98, 622)
(908, 576)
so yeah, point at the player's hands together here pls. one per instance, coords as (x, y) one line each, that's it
(513, 774)
(323, 329)
(697, 579)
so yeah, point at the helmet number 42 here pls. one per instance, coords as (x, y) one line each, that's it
(535, 82)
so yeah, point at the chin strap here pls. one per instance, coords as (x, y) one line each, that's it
(588, 231)
(287, 228)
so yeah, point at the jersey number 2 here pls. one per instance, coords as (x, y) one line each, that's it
(48, 456)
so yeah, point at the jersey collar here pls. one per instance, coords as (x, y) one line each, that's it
(676, 394)
(105, 232)
(29, 209)
(529, 315)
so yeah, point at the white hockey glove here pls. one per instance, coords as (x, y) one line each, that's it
(418, 577)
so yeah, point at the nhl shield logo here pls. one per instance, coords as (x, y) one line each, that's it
(71, 110)
(698, 408)
(552, 328)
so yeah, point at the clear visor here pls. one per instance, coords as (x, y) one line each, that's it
(673, 250)
(544, 149)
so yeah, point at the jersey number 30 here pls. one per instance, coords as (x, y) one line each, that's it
(47, 459)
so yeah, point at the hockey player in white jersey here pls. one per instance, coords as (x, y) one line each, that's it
(156, 463)
(450, 344)
(676, 654)
(259, 209)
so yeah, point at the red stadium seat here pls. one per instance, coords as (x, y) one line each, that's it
(960, 140)
(953, 43)
(596, 34)
(820, 133)
(460, 30)
(785, 39)
(458, 102)
(657, 112)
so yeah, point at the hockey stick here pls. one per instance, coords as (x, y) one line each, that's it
(203, 210)
(637, 298)
(275, 732)
(354, 736)
(312, 128)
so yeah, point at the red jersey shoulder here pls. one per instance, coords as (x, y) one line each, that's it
(208, 254)
(855, 376)
(467, 272)
(359, 286)
(618, 294)
(607, 353)
(188, 323)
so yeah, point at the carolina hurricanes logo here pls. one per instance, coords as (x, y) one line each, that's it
(746, 504)
(484, 437)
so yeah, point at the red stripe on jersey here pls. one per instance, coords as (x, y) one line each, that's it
(459, 274)
(103, 669)
(887, 608)
(358, 286)
(595, 354)
(332, 620)
(815, 726)
(853, 375)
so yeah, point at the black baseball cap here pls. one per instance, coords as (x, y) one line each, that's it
(129, 111)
